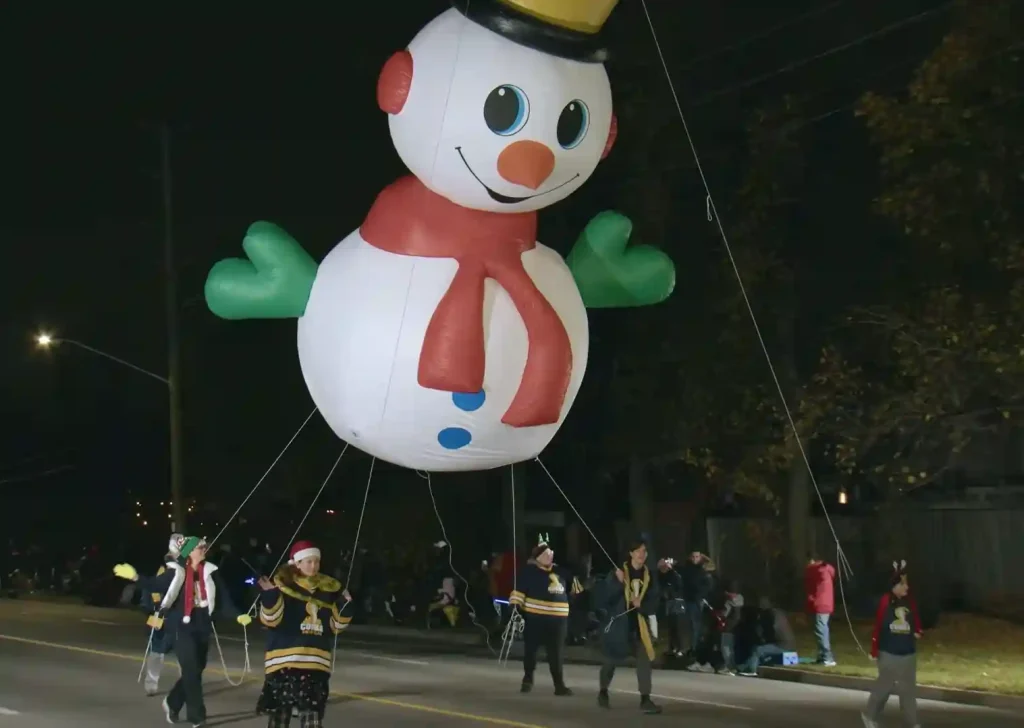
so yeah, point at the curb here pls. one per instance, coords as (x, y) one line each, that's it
(924, 692)
(573, 655)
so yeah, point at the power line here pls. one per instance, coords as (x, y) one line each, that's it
(851, 105)
(39, 475)
(794, 65)
(764, 34)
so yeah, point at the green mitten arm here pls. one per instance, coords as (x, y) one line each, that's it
(610, 274)
(274, 282)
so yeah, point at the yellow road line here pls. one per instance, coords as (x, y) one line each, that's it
(439, 711)
(71, 648)
(353, 696)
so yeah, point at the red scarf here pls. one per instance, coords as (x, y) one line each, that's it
(190, 580)
(409, 219)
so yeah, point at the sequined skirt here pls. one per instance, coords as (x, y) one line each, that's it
(305, 690)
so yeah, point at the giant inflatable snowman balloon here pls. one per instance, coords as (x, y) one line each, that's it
(441, 335)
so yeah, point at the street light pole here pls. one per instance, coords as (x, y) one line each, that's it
(173, 339)
(47, 341)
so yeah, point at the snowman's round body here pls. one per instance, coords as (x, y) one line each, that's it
(489, 125)
(359, 347)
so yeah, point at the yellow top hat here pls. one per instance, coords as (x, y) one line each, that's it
(583, 16)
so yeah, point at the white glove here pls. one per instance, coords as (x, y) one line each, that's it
(652, 621)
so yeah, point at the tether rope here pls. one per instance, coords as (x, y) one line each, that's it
(714, 216)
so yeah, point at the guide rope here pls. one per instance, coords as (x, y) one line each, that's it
(713, 215)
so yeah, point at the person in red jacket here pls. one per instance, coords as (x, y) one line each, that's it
(819, 584)
(501, 572)
(894, 646)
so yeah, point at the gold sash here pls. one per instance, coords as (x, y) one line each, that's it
(645, 631)
(308, 588)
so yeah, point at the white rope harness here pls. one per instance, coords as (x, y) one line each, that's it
(352, 559)
(451, 566)
(516, 622)
(247, 665)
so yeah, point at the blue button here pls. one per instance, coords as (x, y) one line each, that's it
(454, 438)
(469, 402)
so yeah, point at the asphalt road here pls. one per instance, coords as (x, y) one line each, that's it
(64, 666)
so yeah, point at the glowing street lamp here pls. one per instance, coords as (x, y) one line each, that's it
(46, 340)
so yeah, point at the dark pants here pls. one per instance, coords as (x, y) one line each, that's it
(191, 649)
(695, 613)
(677, 626)
(643, 671)
(728, 647)
(895, 673)
(550, 633)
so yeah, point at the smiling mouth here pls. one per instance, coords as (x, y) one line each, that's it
(505, 199)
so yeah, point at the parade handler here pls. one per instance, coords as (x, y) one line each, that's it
(160, 642)
(193, 595)
(894, 647)
(542, 593)
(302, 610)
(631, 600)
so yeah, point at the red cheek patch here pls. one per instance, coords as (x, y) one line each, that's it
(394, 82)
(613, 133)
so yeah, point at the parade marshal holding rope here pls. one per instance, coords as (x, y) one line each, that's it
(303, 611)
(631, 600)
(193, 595)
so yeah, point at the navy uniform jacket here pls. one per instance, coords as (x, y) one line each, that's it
(543, 592)
(150, 602)
(621, 625)
(302, 615)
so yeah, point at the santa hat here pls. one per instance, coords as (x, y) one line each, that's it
(302, 550)
(565, 28)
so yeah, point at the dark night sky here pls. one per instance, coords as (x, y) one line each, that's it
(275, 118)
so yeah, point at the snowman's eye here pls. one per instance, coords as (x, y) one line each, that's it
(573, 123)
(506, 110)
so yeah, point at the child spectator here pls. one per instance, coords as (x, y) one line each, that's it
(894, 646)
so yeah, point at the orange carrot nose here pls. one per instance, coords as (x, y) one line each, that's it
(526, 163)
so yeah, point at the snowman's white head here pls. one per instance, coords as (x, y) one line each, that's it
(491, 124)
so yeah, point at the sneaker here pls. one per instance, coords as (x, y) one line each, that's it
(868, 723)
(170, 715)
(602, 699)
(562, 690)
(829, 663)
(526, 687)
(151, 690)
(747, 673)
(648, 706)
